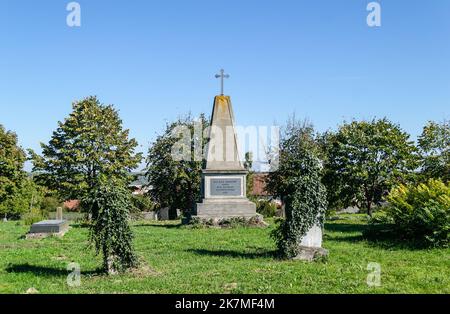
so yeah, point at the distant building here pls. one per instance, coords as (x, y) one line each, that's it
(259, 184)
(72, 205)
(260, 190)
(140, 186)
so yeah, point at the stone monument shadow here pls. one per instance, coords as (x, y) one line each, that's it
(165, 226)
(273, 254)
(39, 270)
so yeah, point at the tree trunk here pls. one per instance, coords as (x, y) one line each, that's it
(369, 208)
(368, 201)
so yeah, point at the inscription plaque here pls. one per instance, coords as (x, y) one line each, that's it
(226, 187)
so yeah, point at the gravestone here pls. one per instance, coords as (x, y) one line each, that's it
(313, 237)
(224, 176)
(59, 213)
(149, 216)
(310, 246)
(164, 214)
(48, 227)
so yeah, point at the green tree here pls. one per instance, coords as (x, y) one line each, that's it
(28, 196)
(364, 160)
(434, 144)
(293, 134)
(298, 182)
(176, 181)
(12, 175)
(110, 205)
(89, 144)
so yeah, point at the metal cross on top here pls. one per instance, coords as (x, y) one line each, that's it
(222, 76)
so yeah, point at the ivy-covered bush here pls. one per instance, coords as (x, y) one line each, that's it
(304, 208)
(297, 182)
(419, 212)
(109, 206)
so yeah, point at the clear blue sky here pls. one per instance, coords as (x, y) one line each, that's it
(155, 60)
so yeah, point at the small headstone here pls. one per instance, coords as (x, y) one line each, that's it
(148, 215)
(59, 213)
(163, 213)
(313, 237)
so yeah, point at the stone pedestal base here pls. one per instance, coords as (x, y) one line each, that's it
(225, 208)
(227, 222)
(310, 254)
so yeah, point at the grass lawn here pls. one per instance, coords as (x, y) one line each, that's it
(240, 260)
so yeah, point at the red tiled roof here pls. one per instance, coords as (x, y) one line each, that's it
(259, 184)
(72, 204)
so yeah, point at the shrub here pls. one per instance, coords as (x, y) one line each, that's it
(304, 209)
(142, 203)
(266, 208)
(298, 181)
(50, 204)
(26, 196)
(419, 212)
(33, 216)
(109, 207)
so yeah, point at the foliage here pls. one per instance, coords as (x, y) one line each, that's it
(18, 193)
(50, 204)
(419, 212)
(298, 182)
(28, 195)
(71, 216)
(109, 206)
(142, 203)
(278, 182)
(33, 216)
(176, 181)
(88, 144)
(12, 175)
(434, 144)
(364, 160)
(266, 208)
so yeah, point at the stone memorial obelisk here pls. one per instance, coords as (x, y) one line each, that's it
(224, 176)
